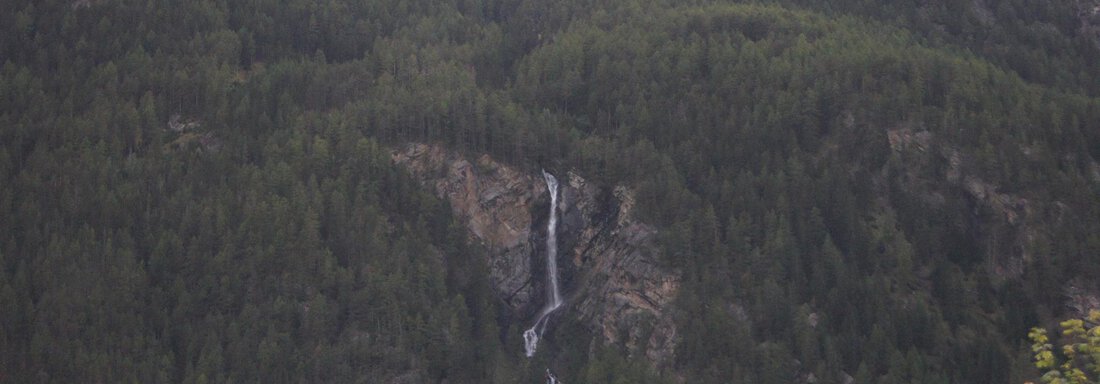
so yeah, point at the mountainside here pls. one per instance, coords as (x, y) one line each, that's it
(348, 191)
(610, 277)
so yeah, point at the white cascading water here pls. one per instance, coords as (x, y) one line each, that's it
(531, 336)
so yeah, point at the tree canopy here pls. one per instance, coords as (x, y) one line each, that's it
(202, 191)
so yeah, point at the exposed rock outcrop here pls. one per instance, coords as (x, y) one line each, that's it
(177, 124)
(495, 204)
(1088, 13)
(624, 295)
(1081, 297)
(1007, 223)
(607, 257)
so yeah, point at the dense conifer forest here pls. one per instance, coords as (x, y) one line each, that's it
(202, 191)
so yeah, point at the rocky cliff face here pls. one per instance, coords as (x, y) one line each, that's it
(1088, 13)
(495, 203)
(1006, 224)
(607, 257)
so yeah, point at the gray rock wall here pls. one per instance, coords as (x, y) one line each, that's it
(607, 259)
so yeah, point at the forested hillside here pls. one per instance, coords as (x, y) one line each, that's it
(202, 191)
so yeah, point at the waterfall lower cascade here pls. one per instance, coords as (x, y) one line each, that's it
(531, 336)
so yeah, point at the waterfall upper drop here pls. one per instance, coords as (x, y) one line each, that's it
(531, 336)
(552, 242)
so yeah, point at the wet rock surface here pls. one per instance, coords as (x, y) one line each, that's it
(607, 258)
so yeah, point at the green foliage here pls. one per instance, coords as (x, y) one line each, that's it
(1078, 359)
(270, 239)
(607, 366)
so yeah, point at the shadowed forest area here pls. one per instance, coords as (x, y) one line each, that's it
(202, 191)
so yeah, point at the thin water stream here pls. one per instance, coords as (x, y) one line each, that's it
(531, 336)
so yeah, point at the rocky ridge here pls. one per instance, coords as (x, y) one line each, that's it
(607, 258)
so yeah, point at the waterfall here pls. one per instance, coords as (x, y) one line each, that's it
(531, 336)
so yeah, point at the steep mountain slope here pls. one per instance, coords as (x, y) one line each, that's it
(608, 263)
(787, 162)
(769, 192)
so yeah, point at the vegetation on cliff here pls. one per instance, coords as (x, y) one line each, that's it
(202, 191)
